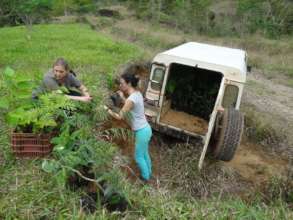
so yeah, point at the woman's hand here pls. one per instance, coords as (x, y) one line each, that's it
(80, 98)
(121, 94)
(86, 98)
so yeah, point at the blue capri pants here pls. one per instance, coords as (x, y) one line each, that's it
(142, 157)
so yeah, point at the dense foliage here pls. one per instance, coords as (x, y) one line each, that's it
(27, 11)
(271, 17)
(219, 18)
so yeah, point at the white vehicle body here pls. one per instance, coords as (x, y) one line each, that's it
(230, 63)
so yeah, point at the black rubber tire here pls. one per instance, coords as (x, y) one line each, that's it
(227, 134)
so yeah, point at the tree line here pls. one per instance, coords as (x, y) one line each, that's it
(271, 18)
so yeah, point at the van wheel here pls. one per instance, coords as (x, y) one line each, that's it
(227, 134)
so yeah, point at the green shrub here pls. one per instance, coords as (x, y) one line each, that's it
(273, 17)
(23, 113)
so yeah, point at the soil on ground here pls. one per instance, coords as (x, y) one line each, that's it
(185, 121)
(255, 165)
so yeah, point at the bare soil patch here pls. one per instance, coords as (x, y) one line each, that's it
(255, 165)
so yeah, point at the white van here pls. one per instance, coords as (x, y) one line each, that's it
(194, 91)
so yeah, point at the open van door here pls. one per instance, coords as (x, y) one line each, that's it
(224, 131)
(211, 123)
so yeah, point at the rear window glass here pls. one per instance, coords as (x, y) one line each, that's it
(157, 79)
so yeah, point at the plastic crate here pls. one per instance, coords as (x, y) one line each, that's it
(31, 145)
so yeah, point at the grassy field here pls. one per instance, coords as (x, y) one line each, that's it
(27, 192)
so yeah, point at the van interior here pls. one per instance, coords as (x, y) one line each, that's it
(190, 96)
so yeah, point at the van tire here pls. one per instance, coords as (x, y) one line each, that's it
(227, 134)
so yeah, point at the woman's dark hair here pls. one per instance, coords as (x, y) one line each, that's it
(130, 78)
(62, 62)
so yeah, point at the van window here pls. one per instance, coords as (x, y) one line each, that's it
(157, 79)
(230, 96)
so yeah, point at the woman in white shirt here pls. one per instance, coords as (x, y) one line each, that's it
(133, 110)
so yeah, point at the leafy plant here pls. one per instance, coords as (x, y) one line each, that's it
(194, 93)
(77, 152)
(43, 115)
(15, 90)
(28, 115)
